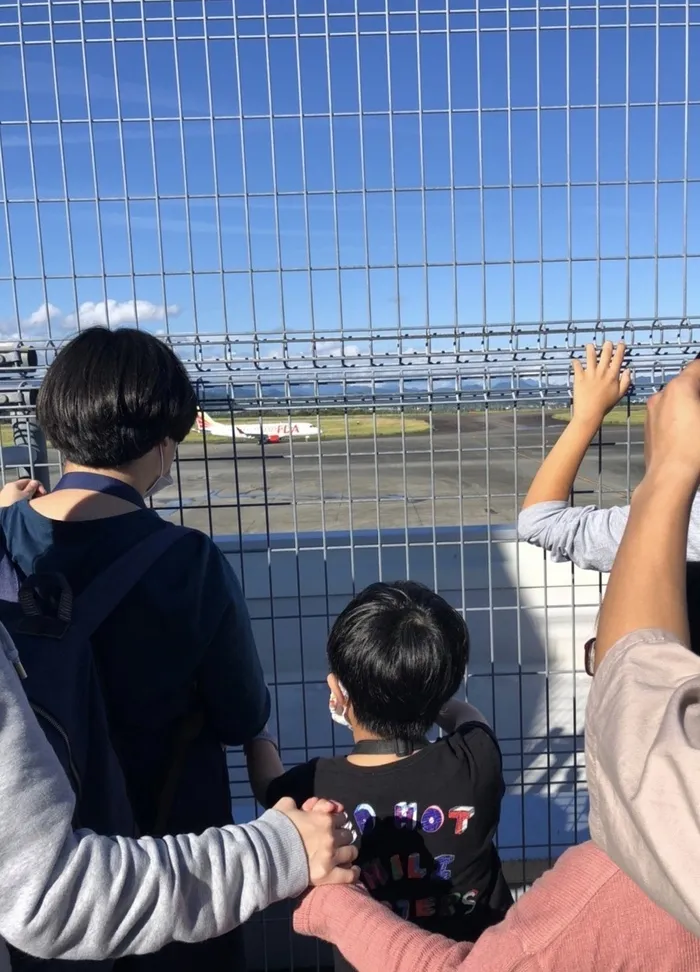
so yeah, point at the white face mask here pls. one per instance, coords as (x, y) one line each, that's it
(338, 715)
(163, 481)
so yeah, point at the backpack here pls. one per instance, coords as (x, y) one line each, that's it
(52, 631)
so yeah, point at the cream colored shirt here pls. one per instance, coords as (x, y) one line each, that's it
(643, 762)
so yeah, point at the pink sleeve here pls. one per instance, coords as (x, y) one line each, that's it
(371, 937)
(577, 909)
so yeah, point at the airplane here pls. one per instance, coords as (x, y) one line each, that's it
(262, 432)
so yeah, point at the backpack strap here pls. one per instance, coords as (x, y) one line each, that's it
(100, 598)
(9, 578)
(103, 595)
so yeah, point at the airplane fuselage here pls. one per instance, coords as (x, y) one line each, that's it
(260, 432)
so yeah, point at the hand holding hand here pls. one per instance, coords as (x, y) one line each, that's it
(19, 490)
(327, 841)
(601, 384)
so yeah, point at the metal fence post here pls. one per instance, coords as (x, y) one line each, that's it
(18, 391)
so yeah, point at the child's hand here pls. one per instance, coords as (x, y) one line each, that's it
(326, 841)
(19, 490)
(320, 805)
(601, 384)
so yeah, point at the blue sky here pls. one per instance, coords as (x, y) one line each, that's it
(348, 172)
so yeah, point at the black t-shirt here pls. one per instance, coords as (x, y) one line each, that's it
(427, 824)
(185, 622)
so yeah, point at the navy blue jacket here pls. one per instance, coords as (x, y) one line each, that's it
(182, 638)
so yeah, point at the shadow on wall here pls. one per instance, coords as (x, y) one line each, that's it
(528, 621)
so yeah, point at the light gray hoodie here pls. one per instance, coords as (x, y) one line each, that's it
(74, 895)
(587, 535)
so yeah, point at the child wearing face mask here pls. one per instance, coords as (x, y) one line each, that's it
(425, 813)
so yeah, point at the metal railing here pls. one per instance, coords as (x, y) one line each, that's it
(396, 221)
(412, 181)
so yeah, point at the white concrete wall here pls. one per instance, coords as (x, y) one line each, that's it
(528, 619)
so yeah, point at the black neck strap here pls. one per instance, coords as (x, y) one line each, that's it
(98, 483)
(388, 747)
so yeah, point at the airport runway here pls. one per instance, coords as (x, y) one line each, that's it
(473, 472)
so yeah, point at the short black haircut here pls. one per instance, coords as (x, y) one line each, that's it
(109, 397)
(400, 651)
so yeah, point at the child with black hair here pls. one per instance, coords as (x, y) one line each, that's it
(426, 813)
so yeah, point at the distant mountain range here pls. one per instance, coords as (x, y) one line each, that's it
(389, 393)
(361, 389)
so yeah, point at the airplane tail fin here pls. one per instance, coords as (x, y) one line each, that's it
(203, 422)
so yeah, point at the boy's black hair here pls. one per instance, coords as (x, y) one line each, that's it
(111, 396)
(400, 651)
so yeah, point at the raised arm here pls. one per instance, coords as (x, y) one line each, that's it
(586, 536)
(597, 389)
(643, 713)
(647, 586)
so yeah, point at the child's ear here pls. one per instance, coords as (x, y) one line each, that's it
(334, 686)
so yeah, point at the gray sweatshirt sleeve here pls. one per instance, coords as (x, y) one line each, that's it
(75, 895)
(586, 535)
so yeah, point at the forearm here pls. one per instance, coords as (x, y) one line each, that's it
(455, 713)
(647, 586)
(110, 897)
(371, 937)
(80, 896)
(264, 766)
(555, 477)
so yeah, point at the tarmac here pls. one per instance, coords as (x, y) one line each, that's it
(470, 469)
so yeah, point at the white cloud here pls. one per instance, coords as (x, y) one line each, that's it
(112, 313)
(414, 356)
(336, 349)
(42, 315)
(115, 312)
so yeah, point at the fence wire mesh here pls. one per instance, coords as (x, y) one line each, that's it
(388, 225)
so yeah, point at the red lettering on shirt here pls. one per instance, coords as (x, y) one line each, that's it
(461, 817)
